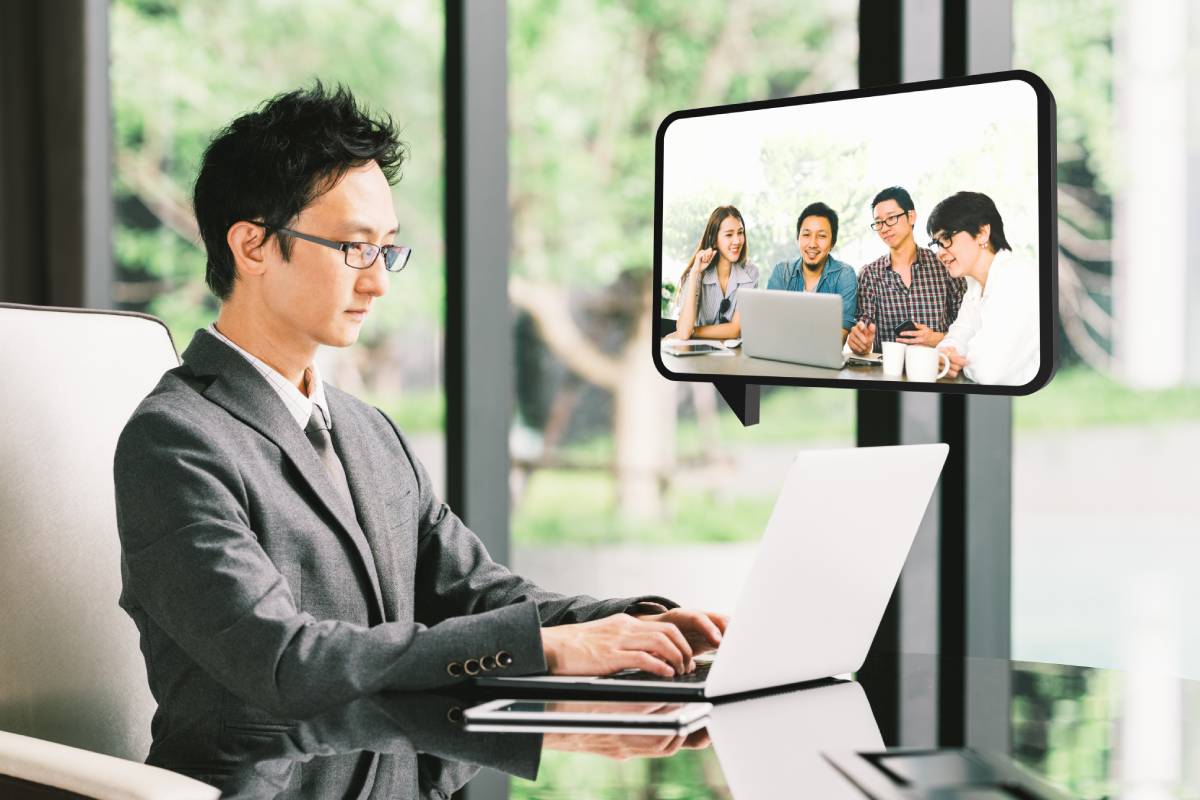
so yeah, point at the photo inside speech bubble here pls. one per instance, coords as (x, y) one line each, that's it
(900, 238)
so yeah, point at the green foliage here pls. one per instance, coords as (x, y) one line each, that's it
(591, 81)
(785, 415)
(1063, 722)
(578, 507)
(687, 775)
(1069, 44)
(1080, 398)
(421, 411)
(182, 71)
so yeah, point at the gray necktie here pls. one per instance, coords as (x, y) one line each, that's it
(318, 433)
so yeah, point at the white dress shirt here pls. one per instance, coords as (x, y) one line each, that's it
(997, 325)
(298, 405)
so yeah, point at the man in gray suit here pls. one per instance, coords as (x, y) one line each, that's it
(282, 548)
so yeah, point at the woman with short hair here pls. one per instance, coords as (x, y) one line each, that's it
(995, 338)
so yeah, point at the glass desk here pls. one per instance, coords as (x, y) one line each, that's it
(1090, 733)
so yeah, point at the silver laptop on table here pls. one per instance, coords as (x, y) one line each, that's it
(827, 563)
(800, 327)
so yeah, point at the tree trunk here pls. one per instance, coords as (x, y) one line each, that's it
(643, 401)
(643, 430)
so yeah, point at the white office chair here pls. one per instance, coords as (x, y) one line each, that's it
(24, 761)
(71, 670)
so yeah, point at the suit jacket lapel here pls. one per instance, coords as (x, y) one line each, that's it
(353, 441)
(244, 393)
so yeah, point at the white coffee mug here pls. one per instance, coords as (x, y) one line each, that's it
(921, 363)
(893, 358)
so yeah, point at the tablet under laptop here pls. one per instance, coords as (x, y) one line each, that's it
(800, 327)
(828, 561)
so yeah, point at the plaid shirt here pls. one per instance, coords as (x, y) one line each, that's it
(932, 299)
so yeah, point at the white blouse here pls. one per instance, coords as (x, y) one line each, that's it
(997, 326)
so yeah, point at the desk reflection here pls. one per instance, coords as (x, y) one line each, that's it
(414, 745)
(395, 745)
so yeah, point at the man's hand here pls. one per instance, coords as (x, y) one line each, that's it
(611, 644)
(702, 629)
(861, 338)
(621, 746)
(957, 362)
(922, 335)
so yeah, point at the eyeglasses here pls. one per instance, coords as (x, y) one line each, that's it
(359, 255)
(942, 241)
(889, 221)
(725, 304)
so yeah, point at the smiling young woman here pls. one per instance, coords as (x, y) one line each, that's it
(719, 266)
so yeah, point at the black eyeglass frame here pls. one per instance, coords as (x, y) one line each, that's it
(392, 253)
(942, 242)
(890, 220)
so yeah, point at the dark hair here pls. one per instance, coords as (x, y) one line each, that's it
(897, 193)
(968, 211)
(271, 163)
(818, 210)
(709, 239)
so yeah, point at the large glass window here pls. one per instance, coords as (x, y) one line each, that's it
(181, 71)
(1104, 514)
(625, 482)
(621, 477)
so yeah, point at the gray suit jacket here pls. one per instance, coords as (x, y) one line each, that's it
(260, 597)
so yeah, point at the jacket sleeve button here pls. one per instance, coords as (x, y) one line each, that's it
(504, 659)
(455, 669)
(471, 667)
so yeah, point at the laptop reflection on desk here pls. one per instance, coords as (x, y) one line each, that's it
(775, 745)
(828, 561)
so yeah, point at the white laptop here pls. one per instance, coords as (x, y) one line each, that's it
(828, 561)
(800, 327)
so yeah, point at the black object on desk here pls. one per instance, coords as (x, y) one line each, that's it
(906, 774)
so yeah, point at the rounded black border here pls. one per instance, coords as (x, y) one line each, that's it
(1047, 237)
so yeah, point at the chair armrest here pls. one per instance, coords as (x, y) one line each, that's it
(92, 774)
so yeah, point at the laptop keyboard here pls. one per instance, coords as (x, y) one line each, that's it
(699, 674)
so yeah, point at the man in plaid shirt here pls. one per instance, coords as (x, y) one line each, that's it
(908, 284)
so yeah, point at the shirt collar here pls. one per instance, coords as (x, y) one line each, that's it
(925, 257)
(298, 404)
(737, 275)
(998, 260)
(832, 265)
